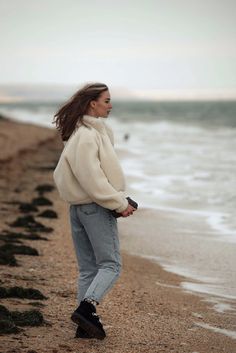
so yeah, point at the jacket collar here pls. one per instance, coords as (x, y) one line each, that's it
(96, 123)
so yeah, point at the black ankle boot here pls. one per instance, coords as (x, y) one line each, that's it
(85, 316)
(81, 333)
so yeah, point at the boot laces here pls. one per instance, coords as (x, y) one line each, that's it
(96, 317)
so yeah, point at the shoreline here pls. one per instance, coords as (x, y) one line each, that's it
(186, 242)
(164, 317)
(178, 250)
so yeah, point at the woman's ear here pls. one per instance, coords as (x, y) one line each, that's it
(93, 104)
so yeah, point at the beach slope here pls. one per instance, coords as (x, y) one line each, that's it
(146, 311)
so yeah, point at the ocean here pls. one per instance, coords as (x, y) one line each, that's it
(180, 159)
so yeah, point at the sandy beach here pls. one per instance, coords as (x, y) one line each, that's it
(147, 309)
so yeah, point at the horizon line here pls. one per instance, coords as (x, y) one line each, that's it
(118, 93)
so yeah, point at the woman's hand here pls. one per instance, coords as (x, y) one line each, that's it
(129, 211)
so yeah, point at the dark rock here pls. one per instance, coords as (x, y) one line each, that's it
(48, 214)
(41, 201)
(20, 292)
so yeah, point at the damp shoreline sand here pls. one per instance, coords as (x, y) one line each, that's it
(147, 309)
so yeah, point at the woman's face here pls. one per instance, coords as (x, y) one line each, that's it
(102, 106)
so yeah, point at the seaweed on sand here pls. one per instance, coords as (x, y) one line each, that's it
(7, 259)
(26, 207)
(27, 318)
(48, 214)
(20, 292)
(7, 324)
(19, 249)
(30, 223)
(15, 237)
(44, 188)
(10, 319)
(41, 201)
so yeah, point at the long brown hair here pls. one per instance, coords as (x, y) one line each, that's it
(73, 110)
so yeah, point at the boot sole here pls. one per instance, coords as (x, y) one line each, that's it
(87, 326)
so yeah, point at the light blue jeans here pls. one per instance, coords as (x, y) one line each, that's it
(96, 242)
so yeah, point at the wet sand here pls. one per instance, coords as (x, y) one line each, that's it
(184, 244)
(146, 311)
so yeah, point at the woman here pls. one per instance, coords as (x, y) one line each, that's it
(89, 177)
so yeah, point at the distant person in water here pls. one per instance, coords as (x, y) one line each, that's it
(126, 137)
(89, 177)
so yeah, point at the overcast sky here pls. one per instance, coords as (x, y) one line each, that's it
(142, 45)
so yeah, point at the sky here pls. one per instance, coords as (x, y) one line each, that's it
(149, 45)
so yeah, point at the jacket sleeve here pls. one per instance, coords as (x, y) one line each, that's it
(86, 168)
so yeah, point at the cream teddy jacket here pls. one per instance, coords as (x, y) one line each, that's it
(88, 169)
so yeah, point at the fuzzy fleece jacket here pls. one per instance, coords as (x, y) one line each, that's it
(88, 169)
